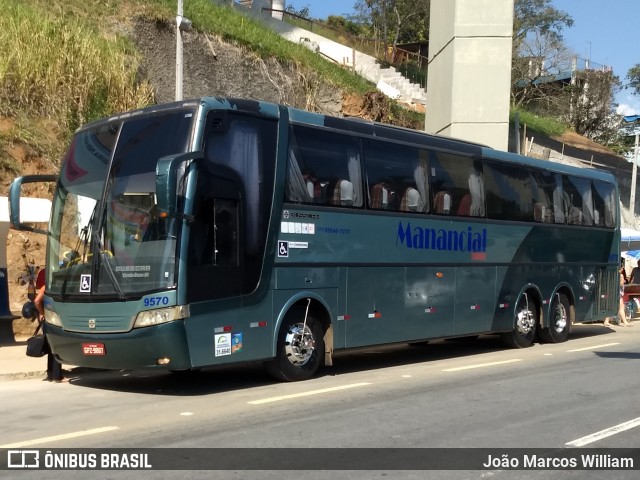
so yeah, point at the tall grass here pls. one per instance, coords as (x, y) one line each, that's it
(546, 125)
(56, 67)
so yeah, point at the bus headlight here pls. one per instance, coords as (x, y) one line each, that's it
(52, 318)
(149, 318)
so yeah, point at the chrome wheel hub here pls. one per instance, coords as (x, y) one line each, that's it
(525, 322)
(560, 320)
(299, 344)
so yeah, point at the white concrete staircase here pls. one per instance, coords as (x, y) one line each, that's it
(388, 80)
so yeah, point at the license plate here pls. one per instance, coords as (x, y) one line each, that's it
(93, 349)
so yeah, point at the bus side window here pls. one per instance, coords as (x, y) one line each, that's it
(323, 168)
(457, 183)
(604, 203)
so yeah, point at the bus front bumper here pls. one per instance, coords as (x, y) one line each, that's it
(162, 347)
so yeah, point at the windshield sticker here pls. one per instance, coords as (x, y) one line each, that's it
(85, 283)
(223, 344)
(298, 244)
(236, 342)
(283, 249)
(134, 271)
(297, 227)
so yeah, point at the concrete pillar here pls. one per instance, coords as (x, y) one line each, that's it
(468, 87)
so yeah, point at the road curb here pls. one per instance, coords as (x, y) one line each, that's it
(6, 377)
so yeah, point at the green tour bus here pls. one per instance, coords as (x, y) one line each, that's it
(218, 230)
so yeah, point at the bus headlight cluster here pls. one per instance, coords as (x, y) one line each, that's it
(158, 316)
(52, 318)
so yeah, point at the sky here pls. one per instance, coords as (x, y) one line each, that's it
(604, 31)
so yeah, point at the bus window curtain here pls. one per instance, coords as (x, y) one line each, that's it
(297, 190)
(587, 207)
(476, 187)
(420, 177)
(558, 202)
(355, 177)
(240, 151)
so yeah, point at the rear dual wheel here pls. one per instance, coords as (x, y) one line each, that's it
(560, 322)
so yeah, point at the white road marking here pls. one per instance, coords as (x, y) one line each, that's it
(55, 438)
(608, 432)
(593, 347)
(481, 365)
(306, 394)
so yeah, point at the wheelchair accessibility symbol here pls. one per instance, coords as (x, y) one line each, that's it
(283, 249)
(85, 283)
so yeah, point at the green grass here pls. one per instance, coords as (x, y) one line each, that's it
(245, 32)
(546, 125)
(55, 66)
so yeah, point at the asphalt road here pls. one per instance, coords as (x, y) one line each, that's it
(460, 394)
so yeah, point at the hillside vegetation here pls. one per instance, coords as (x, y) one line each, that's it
(71, 61)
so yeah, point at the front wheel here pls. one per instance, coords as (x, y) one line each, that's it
(560, 321)
(525, 322)
(300, 347)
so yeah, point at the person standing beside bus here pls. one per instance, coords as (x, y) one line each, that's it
(54, 369)
(622, 316)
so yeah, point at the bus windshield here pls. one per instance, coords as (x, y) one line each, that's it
(105, 236)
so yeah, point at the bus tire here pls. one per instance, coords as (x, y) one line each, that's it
(560, 322)
(300, 347)
(525, 323)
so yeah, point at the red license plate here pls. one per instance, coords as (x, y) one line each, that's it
(93, 349)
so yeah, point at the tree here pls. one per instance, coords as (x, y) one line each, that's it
(390, 20)
(591, 111)
(633, 75)
(538, 52)
(538, 16)
(536, 70)
(303, 12)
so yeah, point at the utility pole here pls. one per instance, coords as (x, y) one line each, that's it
(183, 24)
(179, 52)
(632, 200)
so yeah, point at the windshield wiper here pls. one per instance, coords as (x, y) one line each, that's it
(104, 256)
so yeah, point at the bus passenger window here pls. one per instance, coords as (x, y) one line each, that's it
(324, 168)
(603, 204)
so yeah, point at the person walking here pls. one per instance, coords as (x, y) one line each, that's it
(622, 316)
(54, 368)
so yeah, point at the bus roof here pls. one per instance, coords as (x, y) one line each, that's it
(362, 127)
